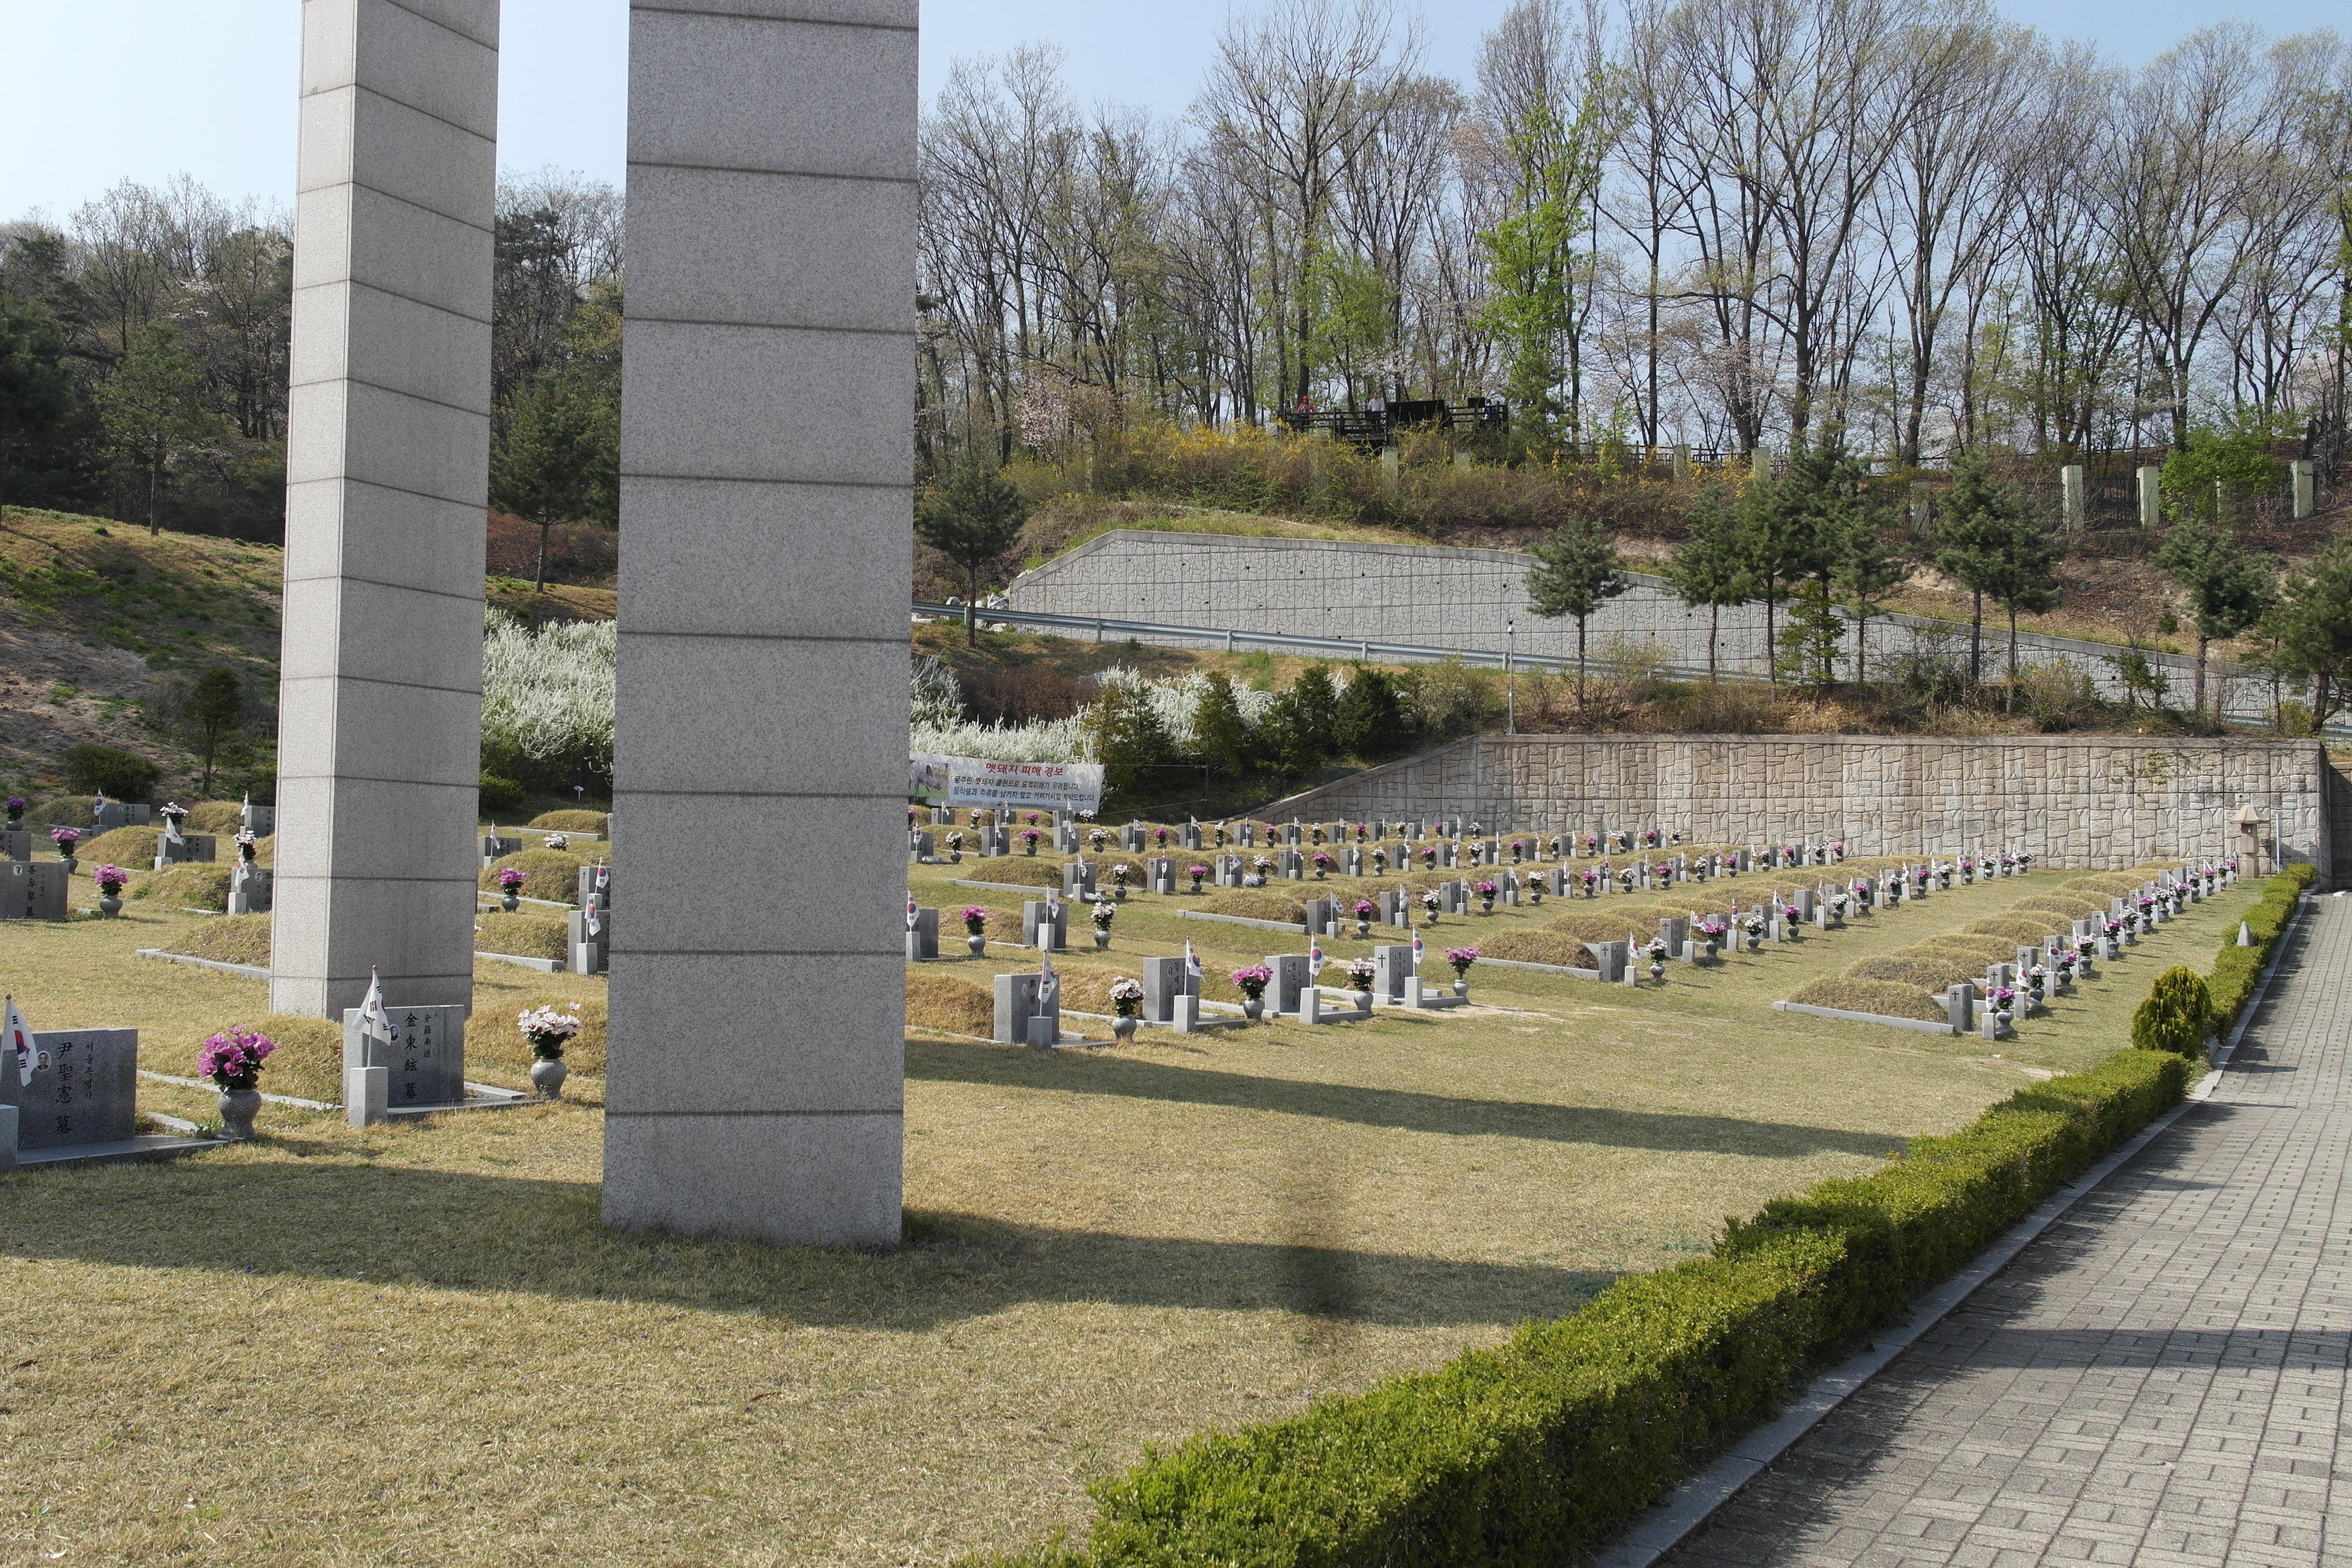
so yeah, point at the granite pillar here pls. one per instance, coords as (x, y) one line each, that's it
(387, 465)
(756, 1046)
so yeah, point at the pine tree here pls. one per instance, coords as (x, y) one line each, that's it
(1709, 568)
(561, 460)
(1370, 723)
(157, 411)
(973, 522)
(2315, 615)
(1978, 518)
(1220, 731)
(2228, 590)
(1579, 573)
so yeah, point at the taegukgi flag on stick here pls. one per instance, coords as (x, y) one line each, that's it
(20, 1040)
(1192, 970)
(1416, 953)
(1049, 984)
(376, 1018)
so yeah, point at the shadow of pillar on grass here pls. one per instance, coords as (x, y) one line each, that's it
(1407, 1110)
(380, 1227)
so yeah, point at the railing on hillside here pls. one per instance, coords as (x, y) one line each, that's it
(1233, 641)
(1380, 426)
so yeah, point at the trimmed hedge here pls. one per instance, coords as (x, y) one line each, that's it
(1542, 1447)
(2236, 970)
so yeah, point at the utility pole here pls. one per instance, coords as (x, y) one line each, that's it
(1510, 679)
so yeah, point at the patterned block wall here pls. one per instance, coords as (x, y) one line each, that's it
(1453, 598)
(2092, 802)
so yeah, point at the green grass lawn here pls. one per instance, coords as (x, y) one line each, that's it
(415, 1345)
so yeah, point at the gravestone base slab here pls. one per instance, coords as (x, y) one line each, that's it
(152, 1146)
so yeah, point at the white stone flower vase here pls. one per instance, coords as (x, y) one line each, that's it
(1123, 1029)
(237, 1108)
(976, 944)
(1102, 939)
(547, 1076)
(110, 906)
(509, 901)
(1254, 1009)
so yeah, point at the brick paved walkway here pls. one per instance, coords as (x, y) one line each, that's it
(2158, 1378)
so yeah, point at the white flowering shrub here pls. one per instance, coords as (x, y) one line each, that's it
(546, 702)
(935, 694)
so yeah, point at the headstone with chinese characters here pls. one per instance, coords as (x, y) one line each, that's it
(1077, 880)
(33, 890)
(197, 847)
(1017, 1004)
(427, 1059)
(1131, 838)
(591, 951)
(923, 936)
(1290, 978)
(1192, 840)
(16, 844)
(1612, 957)
(1228, 870)
(250, 889)
(920, 847)
(1163, 981)
(115, 814)
(495, 845)
(1322, 917)
(84, 1089)
(1040, 930)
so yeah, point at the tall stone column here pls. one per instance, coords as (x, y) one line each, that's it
(387, 465)
(756, 1052)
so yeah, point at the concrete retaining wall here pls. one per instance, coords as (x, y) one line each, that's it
(1453, 598)
(2092, 802)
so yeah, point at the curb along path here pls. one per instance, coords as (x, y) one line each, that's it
(2158, 1378)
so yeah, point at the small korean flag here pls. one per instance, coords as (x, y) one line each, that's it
(1191, 971)
(1416, 953)
(20, 1040)
(910, 912)
(376, 1018)
(1314, 956)
(1049, 984)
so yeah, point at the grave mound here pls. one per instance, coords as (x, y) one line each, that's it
(1920, 972)
(1259, 904)
(2059, 904)
(1978, 950)
(2018, 928)
(1019, 870)
(938, 1000)
(551, 874)
(523, 934)
(232, 939)
(1540, 947)
(193, 885)
(1887, 998)
(134, 849)
(594, 822)
(222, 817)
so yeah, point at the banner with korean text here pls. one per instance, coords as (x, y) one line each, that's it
(978, 781)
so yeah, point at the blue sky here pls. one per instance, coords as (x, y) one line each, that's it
(100, 90)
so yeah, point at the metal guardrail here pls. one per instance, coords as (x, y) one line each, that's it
(1232, 641)
(1340, 648)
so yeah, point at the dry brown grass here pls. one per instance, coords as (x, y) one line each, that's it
(134, 849)
(547, 873)
(1977, 950)
(1281, 902)
(1020, 870)
(524, 934)
(415, 1344)
(196, 885)
(2059, 904)
(1921, 973)
(571, 821)
(944, 999)
(2016, 928)
(220, 817)
(1539, 947)
(231, 939)
(1888, 998)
